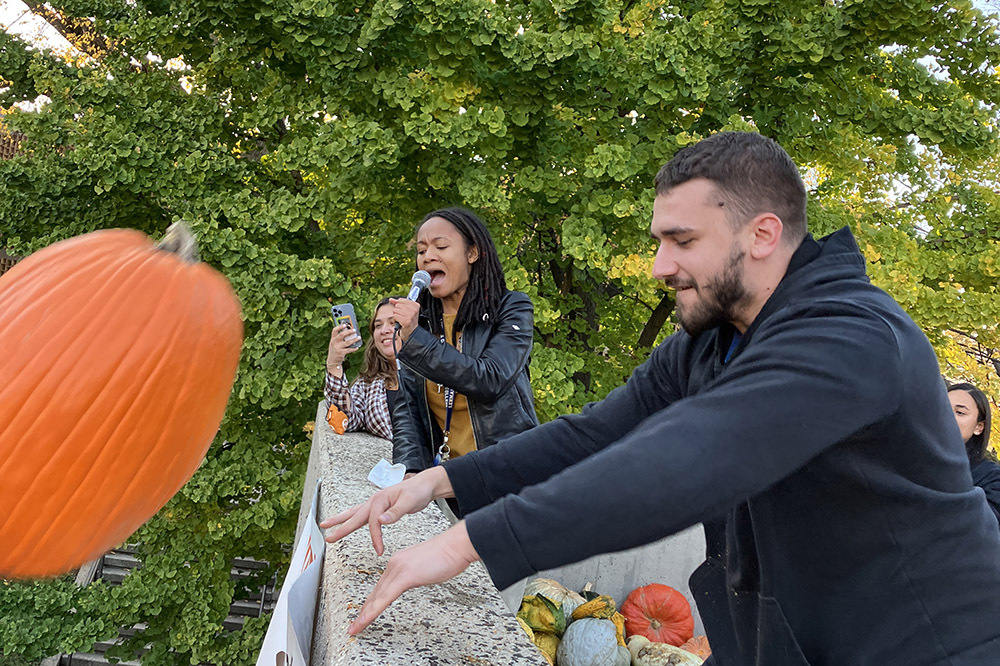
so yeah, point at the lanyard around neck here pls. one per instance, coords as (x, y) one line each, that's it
(444, 451)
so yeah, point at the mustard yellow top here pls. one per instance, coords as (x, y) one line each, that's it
(462, 439)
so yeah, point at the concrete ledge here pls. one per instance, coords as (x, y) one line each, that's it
(463, 621)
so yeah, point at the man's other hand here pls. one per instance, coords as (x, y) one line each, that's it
(389, 505)
(434, 561)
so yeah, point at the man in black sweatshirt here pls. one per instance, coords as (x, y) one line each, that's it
(799, 416)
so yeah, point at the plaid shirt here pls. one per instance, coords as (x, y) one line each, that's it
(364, 404)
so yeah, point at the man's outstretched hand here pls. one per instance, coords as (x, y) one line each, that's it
(436, 560)
(389, 505)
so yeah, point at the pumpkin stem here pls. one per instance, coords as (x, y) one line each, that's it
(180, 241)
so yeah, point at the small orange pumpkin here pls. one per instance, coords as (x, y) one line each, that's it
(698, 646)
(118, 360)
(659, 613)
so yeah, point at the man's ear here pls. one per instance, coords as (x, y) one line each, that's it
(767, 230)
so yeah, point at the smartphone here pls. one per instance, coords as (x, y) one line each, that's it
(344, 314)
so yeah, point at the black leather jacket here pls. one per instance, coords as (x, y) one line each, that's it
(491, 371)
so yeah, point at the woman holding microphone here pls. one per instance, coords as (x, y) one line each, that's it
(463, 348)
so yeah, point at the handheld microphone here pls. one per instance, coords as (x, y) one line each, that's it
(419, 282)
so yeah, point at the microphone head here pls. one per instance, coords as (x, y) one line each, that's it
(421, 279)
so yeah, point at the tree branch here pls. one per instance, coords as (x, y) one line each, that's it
(656, 320)
(79, 32)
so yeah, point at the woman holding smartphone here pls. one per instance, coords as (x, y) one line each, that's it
(369, 400)
(463, 348)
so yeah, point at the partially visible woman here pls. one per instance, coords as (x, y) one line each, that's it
(972, 412)
(369, 401)
(464, 348)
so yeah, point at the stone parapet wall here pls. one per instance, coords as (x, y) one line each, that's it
(462, 622)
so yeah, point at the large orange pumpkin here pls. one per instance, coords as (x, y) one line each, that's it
(117, 358)
(660, 613)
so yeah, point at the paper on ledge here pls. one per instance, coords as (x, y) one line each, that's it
(384, 475)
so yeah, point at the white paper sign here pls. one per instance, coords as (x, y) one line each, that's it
(288, 641)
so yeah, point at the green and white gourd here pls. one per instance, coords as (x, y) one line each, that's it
(557, 592)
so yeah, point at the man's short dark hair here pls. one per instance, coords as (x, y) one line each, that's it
(752, 174)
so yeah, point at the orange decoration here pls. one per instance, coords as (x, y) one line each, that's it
(660, 613)
(336, 419)
(698, 646)
(118, 360)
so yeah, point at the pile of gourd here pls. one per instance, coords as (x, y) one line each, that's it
(586, 628)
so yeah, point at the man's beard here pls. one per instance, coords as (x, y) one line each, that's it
(720, 298)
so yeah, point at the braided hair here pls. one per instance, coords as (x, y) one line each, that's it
(487, 284)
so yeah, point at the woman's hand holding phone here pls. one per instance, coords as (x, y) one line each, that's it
(342, 341)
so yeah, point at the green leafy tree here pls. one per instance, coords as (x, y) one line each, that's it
(302, 140)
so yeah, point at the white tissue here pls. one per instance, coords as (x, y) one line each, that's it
(384, 475)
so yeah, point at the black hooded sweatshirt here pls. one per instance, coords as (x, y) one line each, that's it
(841, 523)
(986, 475)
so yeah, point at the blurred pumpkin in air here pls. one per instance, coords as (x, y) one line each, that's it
(117, 357)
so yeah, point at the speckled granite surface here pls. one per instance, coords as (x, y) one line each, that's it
(461, 622)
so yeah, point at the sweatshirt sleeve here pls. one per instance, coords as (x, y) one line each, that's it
(486, 377)
(806, 385)
(533, 456)
(989, 481)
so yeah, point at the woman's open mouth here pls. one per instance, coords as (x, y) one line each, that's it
(437, 277)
